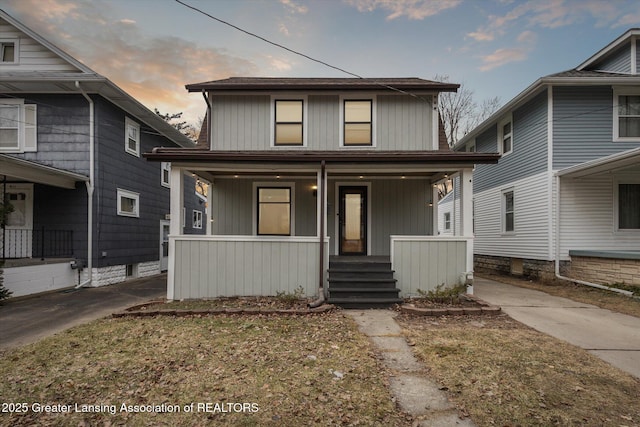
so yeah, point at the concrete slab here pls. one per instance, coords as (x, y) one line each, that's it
(418, 395)
(614, 337)
(27, 320)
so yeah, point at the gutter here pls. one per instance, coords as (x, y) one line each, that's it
(320, 300)
(90, 188)
(557, 257)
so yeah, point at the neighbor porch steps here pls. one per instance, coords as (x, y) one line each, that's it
(362, 282)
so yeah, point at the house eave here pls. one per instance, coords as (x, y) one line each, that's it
(610, 163)
(25, 170)
(334, 157)
(609, 48)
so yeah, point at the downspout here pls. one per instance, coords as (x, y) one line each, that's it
(208, 118)
(320, 300)
(90, 188)
(557, 266)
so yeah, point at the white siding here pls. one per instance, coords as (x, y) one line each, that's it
(34, 279)
(32, 55)
(532, 215)
(424, 263)
(209, 267)
(587, 216)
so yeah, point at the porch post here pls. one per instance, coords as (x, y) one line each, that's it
(208, 214)
(466, 212)
(434, 209)
(175, 224)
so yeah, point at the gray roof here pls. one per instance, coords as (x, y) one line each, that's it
(323, 84)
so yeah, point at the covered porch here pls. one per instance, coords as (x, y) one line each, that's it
(276, 221)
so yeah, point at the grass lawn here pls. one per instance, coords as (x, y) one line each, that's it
(503, 373)
(312, 370)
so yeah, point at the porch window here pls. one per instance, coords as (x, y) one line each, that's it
(132, 137)
(128, 203)
(288, 122)
(508, 212)
(628, 206)
(17, 126)
(197, 219)
(358, 124)
(627, 117)
(505, 136)
(8, 51)
(274, 211)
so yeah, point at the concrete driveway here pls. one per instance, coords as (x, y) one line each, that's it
(611, 336)
(27, 320)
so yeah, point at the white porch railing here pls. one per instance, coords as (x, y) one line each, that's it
(224, 266)
(424, 262)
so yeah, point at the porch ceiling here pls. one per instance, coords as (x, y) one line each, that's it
(22, 170)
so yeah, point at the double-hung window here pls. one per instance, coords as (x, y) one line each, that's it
(447, 221)
(18, 124)
(626, 112)
(357, 122)
(165, 174)
(197, 219)
(131, 137)
(274, 211)
(628, 195)
(505, 136)
(508, 212)
(289, 122)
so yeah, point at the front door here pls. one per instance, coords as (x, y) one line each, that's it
(164, 245)
(18, 231)
(353, 221)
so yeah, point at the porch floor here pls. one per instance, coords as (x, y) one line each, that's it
(359, 258)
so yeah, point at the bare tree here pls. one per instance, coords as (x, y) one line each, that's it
(187, 129)
(460, 113)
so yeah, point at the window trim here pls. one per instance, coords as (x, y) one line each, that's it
(617, 93)
(292, 206)
(196, 219)
(289, 97)
(503, 211)
(16, 51)
(374, 111)
(447, 221)
(130, 122)
(23, 146)
(617, 181)
(165, 166)
(129, 195)
(501, 135)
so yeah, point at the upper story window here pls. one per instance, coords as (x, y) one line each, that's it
(358, 122)
(8, 51)
(626, 115)
(289, 124)
(131, 137)
(505, 136)
(18, 125)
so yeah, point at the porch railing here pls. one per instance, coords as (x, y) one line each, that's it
(36, 243)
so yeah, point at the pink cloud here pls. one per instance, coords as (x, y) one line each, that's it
(412, 9)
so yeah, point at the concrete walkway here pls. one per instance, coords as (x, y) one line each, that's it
(27, 320)
(414, 392)
(613, 337)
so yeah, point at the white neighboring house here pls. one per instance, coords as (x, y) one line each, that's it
(565, 196)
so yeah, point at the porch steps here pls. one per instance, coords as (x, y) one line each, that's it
(362, 282)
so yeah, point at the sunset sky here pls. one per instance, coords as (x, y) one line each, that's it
(152, 48)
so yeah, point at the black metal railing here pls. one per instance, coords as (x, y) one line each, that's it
(36, 243)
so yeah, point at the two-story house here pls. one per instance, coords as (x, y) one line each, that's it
(315, 180)
(84, 200)
(566, 191)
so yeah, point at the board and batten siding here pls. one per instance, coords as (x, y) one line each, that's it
(529, 155)
(210, 267)
(422, 264)
(232, 206)
(243, 122)
(32, 55)
(532, 215)
(588, 204)
(616, 62)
